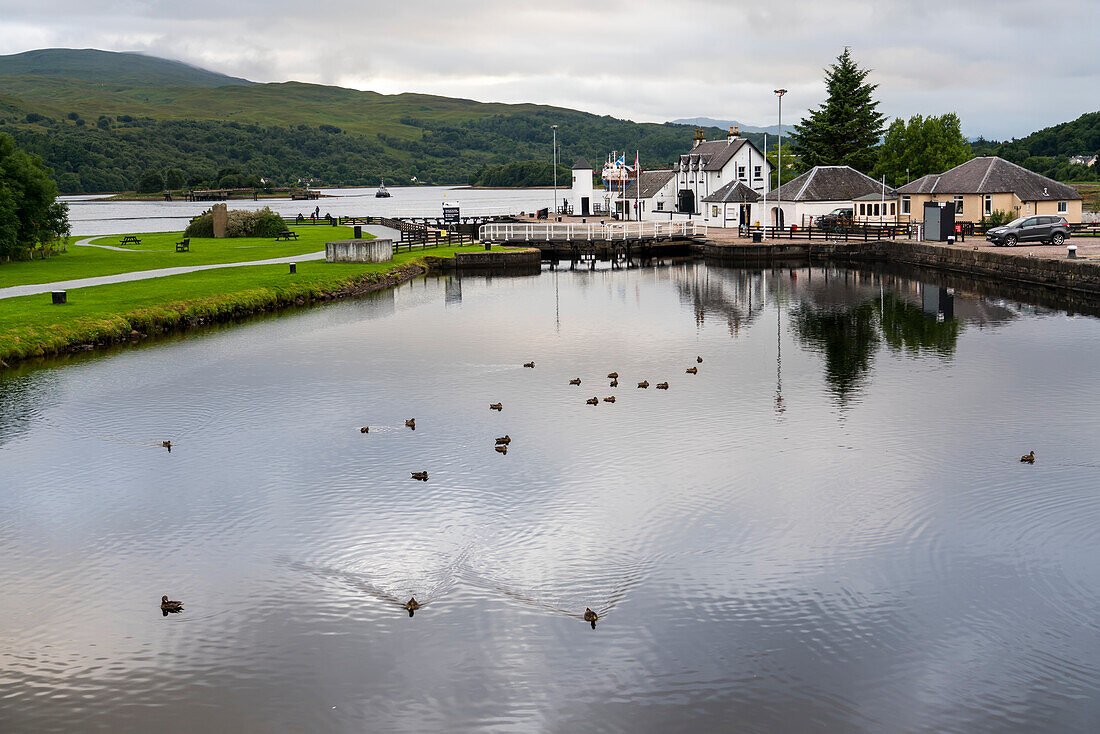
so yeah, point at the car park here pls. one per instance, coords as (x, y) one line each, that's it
(1047, 229)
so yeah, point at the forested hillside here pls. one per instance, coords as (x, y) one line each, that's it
(1048, 151)
(104, 132)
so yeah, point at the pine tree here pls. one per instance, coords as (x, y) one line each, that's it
(845, 129)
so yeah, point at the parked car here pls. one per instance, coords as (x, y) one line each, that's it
(1033, 228)
(836, 216)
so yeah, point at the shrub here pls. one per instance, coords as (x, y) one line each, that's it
(997, 218)
(200, 226)
(267, 224)
(239, 223)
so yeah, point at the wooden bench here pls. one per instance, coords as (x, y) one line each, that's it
(130, 239)
(184, 246)
(288, 235)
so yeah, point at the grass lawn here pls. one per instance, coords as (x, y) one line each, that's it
(32, 326)
(158, 250)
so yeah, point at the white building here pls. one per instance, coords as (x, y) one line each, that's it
(580, 195)
(710, 166)
(824, 188)
(733, 205)
(656, 200)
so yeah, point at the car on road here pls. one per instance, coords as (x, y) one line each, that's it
(1047, 229)
(841, 216)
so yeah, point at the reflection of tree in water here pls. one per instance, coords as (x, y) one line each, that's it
(907, 328)
(847, 336)
(733, 294)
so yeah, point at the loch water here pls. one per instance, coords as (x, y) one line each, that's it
(826, 529)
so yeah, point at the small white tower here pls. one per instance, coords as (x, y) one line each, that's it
(582, 187)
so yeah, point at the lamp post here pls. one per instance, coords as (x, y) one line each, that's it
(778, 197)
(555, 164)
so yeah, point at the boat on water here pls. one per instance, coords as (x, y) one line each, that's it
(382, 193)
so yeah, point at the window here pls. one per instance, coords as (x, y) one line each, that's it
(714, 211)
(988, 204)
(862, 209)
(958, 204)
(741, 172)
(893, 208)
(660, 206)
(905, 204)
(876, 214)
(756, 173)
(1063, 207)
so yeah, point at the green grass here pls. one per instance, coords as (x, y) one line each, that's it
(158, 250)
(31, 326)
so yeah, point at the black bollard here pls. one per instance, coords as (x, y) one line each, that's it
(293, 268)
(358, 232)
(59, 297)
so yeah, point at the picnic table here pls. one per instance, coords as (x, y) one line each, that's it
(130, 239)
(287, 235)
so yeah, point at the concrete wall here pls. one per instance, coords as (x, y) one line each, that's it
(359, 251)
(478, 259)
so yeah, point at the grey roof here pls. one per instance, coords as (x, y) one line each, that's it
(829, 183)
(582, 164)
(716, 153)
(733, 192)
(652, 182)
(991, 175)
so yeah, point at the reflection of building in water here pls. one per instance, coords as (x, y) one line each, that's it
(452, 290)
(938, 302)
(735, 294)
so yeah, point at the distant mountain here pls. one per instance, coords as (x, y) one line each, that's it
(112, 67)
(725, 125)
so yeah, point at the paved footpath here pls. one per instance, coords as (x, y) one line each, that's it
(64, 285)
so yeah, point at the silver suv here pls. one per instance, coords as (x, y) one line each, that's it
(1034, 228)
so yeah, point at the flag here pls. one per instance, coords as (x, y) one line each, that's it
(636, 169)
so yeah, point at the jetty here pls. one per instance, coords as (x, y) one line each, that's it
(606, 241)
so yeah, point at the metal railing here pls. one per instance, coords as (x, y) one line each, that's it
(568, 232)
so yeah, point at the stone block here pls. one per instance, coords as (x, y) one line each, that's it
(220, 213)
(359, 251)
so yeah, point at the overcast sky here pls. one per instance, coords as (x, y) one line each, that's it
(1007, 67)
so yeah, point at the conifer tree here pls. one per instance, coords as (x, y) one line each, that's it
(845, 129)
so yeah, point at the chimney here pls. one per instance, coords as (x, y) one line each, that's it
(699, 137)
(733, 134)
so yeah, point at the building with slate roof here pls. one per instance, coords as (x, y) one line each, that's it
(657, 198)
(733, 205)
(988, 184)
(824, 189)
(712, 165)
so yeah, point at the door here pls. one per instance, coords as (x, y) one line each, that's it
(1031, 229)
(686, 201)
(584, 206)
(746, 215)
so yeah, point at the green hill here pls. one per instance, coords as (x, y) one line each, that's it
(101, 132)
(1047, 151)
(111, 67)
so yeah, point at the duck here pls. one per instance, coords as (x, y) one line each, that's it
(503, 448)
(529, 364)
(575, 381)
(167, 445)
(412, 605)
(167, 605)
(699, 360)
(505, 439)
(365, 429)
(1028, 458)
(610, 399)
(590, 616)
(644, 384)
(496, 406)
(692, 370)
(614, 383)
(420, 475)
(592, 401)
(411, 423)
(613, 375)
(662, 385)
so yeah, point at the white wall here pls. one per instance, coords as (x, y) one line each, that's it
(582, 186)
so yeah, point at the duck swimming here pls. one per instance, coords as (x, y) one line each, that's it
(592, 401)
(412, 605)
(365, 429)
(167, 605)
(411, 423)
(691, 370)
(610, 399)
(496, 406)
(1028, 458)
(575, 381)
(662, 385)
(590, 616)
(167, 445)
(502, 448)
(644, 384)
(529, 364)
(699, 360)
(614, 383)
(505, 439)
(613, 375)
(421, 476)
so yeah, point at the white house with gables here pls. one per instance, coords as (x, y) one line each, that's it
(712, 165)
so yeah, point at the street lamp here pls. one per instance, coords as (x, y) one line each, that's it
(778, 197)
(555, 164)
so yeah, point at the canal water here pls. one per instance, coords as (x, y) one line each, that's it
(826, 529)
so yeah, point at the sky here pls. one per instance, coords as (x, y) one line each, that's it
(1006, 67)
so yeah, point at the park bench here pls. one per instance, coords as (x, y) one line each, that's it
(287, 235)
(184, 246)
(130, 239)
